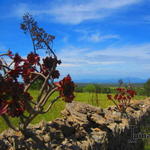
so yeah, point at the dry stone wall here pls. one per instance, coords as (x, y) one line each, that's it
(84, 127)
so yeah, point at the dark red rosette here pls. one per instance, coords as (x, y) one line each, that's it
(55, 74)
(66, 88)
(33, 58)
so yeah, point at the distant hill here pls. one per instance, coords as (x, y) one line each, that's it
(112, 81)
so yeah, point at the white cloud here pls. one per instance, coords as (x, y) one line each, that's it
(2, 48)
(65, 39)
(68, 65)
(131, 60)
(131, 51)
(146, 19)
(94, 35)
(96, 9)
(71, 12)
(78, 57)
(105, 62)
(111, 55)
(97, 37)
(21, 9)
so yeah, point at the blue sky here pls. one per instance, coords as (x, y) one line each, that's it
(98, 39)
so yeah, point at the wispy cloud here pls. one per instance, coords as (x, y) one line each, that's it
(69, 65)
(113, 61)
(71, 12)
(112, 55)
(141, 51)
(20, 9)
(146, 19)
(97, 37)
(2, 48)
(89, 10)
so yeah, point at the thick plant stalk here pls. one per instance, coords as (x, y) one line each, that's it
(46, 82)
(44, 100)
(39, 74)
(50, 105)
(29, 119)
(5, 67)
(42, 89)
(116, 105)
(29, 108)
(29, 85)
(9, 123)
(33, 115)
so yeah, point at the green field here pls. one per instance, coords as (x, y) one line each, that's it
(60, 105)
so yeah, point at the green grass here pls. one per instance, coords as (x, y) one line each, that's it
(147, 147)
(60, 105)
(89, 98)
(147, 144)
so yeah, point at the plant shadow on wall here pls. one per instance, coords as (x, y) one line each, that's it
(15, 99)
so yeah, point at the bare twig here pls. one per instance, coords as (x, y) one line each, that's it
(31, 36)
(50, 49)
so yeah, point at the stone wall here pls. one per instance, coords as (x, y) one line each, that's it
(84, 127)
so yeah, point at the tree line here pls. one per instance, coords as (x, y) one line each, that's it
(142, 89)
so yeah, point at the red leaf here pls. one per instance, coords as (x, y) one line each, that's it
(3, 108)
